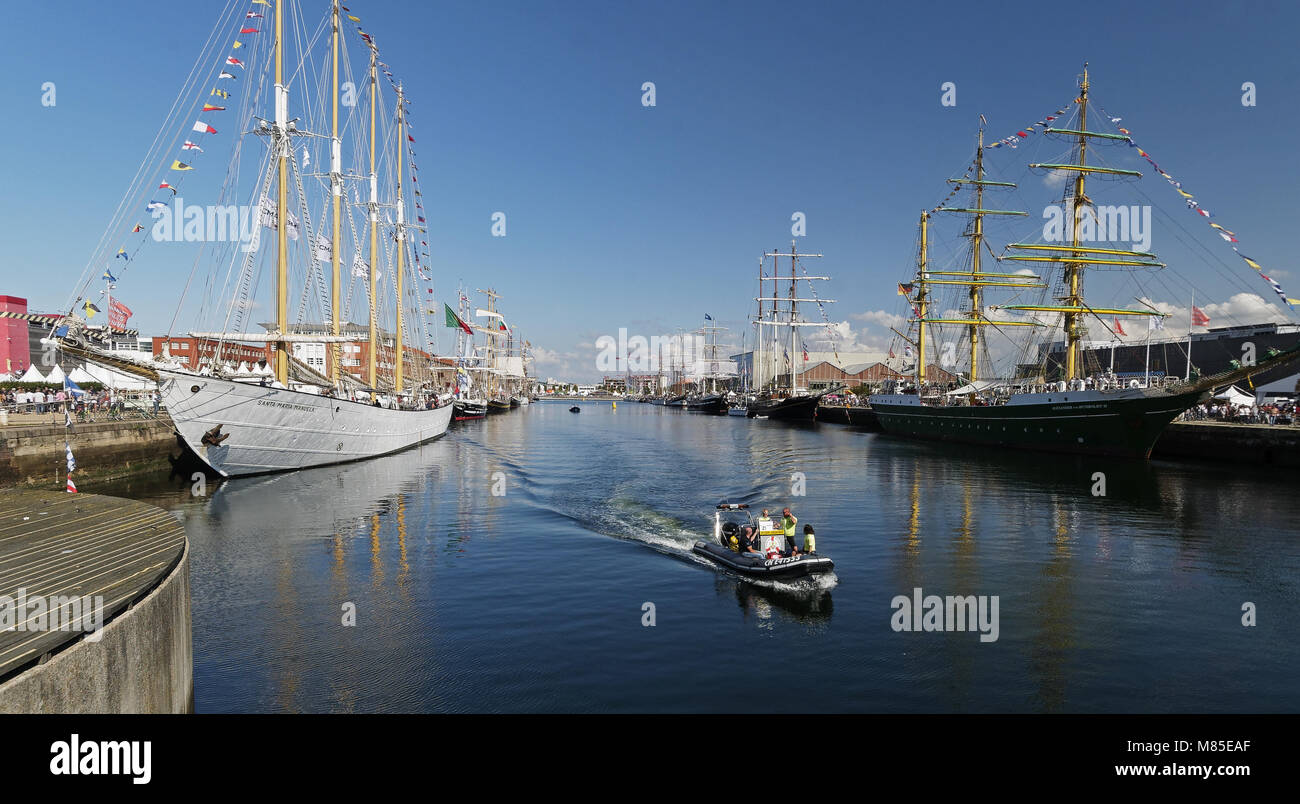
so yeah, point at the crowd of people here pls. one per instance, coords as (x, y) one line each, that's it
(1281, 413)
(106, 402)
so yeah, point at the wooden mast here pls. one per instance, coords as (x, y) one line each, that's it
(922, 301)
(401, 243)
(1074, 270)
(976, 297)
(794, 281)
(282, 201)
(374, 231)
(336, 190)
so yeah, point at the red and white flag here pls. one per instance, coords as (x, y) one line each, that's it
(234, 61)
(203, 128)
(190, 146)
(1199, 318)
(72, 488)
(1119, 328)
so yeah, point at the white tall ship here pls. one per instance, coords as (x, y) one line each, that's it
(301, 410)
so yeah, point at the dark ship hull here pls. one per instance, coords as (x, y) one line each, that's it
(463, 410)
(795, 408)
(1126, 426)
(715, 404)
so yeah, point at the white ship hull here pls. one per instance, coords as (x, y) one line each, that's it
(278, 430)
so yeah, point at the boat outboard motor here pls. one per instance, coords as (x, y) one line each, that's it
(729, 529)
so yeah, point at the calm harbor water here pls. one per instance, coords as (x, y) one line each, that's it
(533, 600)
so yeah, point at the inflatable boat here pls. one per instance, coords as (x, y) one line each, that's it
(779, 567)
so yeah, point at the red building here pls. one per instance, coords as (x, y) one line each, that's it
(353, 356)
(199, 352)
(15, 355)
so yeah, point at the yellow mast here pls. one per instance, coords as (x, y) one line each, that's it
(374, 231)
(282, 203)
(336, 187)
(1074, 270)
(978, 242)
(401, 243)
(922, 301)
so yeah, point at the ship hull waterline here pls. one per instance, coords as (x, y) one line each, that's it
(798, 408)
(265, 430)
(1126, 428)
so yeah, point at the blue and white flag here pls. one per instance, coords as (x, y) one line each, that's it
(72, 462)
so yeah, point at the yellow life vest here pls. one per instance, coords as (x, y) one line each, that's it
(809, 543)
(788, 530)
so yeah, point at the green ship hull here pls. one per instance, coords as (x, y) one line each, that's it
(1126, 427)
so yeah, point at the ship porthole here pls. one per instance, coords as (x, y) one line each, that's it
(194, 389)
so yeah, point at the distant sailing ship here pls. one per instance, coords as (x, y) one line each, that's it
(1078, 412)
(708, 399)
(304, 417)
(775, 377)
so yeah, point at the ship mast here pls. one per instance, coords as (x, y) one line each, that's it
(977, 241)
(1076, 256)
(374, 231)
(401, 241)
(791, 299)
(922, 301)
(1074, 270)
(336, 190)
(281, 202)
(976, 278)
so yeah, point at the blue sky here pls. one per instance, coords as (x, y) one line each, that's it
(647, 218)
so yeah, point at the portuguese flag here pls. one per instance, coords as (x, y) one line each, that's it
(454, 321)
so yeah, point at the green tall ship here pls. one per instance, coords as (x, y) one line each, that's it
(1079, 410)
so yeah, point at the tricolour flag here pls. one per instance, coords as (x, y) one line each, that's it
(137, 228)
(454, 321)
(208, 107)
(166, 186)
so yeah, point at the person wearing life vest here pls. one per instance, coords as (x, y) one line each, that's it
(788, 523)
(809, 539)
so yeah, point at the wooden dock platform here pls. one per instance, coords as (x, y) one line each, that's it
(53, 543)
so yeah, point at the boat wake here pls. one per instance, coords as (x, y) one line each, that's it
(633, 520)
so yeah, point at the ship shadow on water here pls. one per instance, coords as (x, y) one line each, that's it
(1123, 480)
